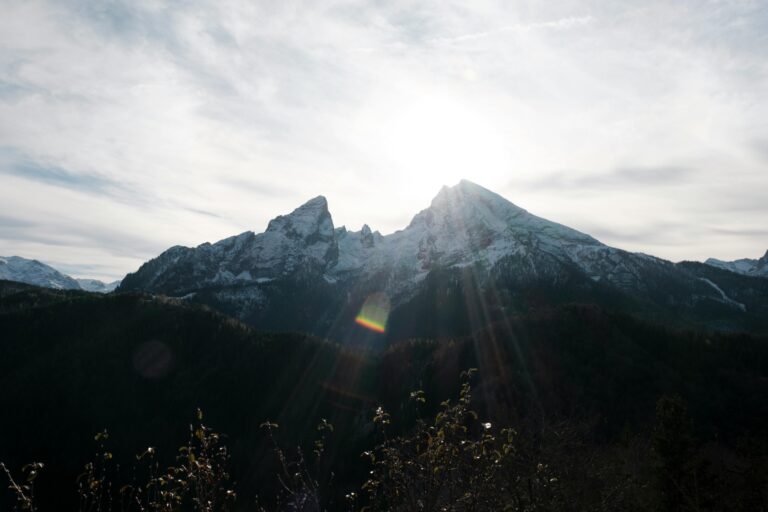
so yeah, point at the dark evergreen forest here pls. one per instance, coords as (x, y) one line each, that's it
(572, 407)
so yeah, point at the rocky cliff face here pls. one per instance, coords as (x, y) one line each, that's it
(302, 242)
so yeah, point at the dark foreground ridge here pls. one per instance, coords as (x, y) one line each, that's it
(73, 364)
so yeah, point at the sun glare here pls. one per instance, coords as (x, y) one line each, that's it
(440, 140)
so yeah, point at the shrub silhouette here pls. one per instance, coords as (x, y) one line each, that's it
(454, 461)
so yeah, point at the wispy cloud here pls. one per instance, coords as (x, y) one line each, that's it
(620, 178)
(130, 126)
(10, 222)
(204, 213)
(754, 233)
(559, 24)
(16, 164)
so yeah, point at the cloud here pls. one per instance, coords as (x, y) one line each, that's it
(559, 24)
(77, 270)
(620, 178)
(663, 233)
(204, 212)
(761, 148)
(746, 202)
(10, 91)
(131, 126)
(755, 233)
(258, 188)
(12, 162)
(9, 222)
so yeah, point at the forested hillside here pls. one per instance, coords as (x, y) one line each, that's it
(73, 364)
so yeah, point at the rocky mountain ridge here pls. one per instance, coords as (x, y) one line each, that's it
(744, 266)
(469, 245)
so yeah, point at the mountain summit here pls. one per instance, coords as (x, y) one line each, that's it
(468, 223)
(745, 266)
(302, 273)
(15, 268)
(312, 219)
(23, 270)
(303, 240)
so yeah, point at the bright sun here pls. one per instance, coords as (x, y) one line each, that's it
(439, 140)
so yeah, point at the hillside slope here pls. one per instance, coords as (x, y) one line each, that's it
(72, 364)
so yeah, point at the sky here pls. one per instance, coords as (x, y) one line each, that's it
(127, 127)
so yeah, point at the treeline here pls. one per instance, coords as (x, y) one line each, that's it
(452, 461)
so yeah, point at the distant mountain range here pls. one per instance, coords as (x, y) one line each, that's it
(94, 285)
(467, 260)
(15, 268)
(745, 266)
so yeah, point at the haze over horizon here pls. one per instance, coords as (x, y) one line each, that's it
(129, 127)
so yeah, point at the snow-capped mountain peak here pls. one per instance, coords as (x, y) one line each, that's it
(15, 268)
(746, 266)
(301, 241)
(97, 286)
(23, 270)
(465, 202)
(468, 206)
(468, 224)
(762, 264)
(304, 236)
(467, 194)
(465, 224)
(312, 219)
(301, 263)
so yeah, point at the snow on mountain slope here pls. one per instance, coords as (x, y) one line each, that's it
(15, 268)
(745, 266)
(464, 225)
(94, 285)
(23, 270)
(355, 249)
(303, 240)
(723, 295)
(303, 274)
(470, 225)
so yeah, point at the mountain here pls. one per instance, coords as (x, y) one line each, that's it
(94, 285)
(469, 226)
(22, 270)
(301, 242)
(14, 268)
(746, 266)
(467, 260)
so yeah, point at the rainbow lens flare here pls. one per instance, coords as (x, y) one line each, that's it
(374, 313)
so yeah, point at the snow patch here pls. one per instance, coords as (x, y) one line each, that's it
(724, 297)
(244, 276)
(15, 268)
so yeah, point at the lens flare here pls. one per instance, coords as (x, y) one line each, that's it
(153, 359)
(374, 313)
